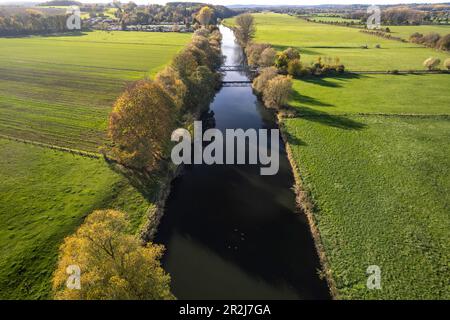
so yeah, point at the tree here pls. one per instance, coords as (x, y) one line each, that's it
(277, 91)
(245, 29)
(141, 124)
(254, 51)
(447, 63)
(112, 263)
(169, 79)
(294, 68)
(431, 63)
(292, 53)
(204, 15)
(267, 58)
(444, 43)
(263, 78)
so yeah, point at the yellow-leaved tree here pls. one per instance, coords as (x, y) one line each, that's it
(141, 124)
(204, 15)
(112, 264)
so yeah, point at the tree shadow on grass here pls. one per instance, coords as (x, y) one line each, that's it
(325, 82)
(293, 140)
(332, 120)
(302, 50)
(304, 99)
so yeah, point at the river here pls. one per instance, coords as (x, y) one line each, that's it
(229, 232)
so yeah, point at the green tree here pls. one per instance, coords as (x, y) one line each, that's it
(112, 263)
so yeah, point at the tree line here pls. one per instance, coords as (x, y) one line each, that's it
(277, 68)
(31, 22)
(112, 262)
(432, 40)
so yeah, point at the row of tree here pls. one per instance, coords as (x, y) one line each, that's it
(271, 86)
(432, 40)
(103, 260)
(433, 63)
(173, 12)
(31, 22)
(145, 115)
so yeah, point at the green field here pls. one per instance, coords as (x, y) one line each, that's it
(373, 153)
(315, 39)
(60, 89)
(45, 195)
(406, 31)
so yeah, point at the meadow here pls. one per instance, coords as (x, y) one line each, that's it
(45, 196)
(59, 90)
(373, 155)
(319, 40)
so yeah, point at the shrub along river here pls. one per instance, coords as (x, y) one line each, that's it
(229, 232)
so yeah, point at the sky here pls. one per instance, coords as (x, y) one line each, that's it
(261, 2)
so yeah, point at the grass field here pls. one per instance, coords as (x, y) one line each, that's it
(373, 153)
(45, 195)
(315, 39)
(60, 89)
(406, 31)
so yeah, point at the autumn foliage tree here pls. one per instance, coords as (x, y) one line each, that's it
(140, 125)
(277, 91)
(169, 79)
(245, 29)
(265, 75)
(431, 63)
(204, 15)
(112, 264)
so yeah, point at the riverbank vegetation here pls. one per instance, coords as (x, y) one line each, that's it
(114, 263)
(372, 157)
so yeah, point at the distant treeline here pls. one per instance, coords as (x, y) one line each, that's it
(172, 12)
(31, 22)
(60, 3)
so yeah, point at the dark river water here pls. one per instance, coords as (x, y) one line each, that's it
(231, 233)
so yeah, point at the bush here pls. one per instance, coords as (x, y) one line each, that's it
(254, 51)
(265, 76)
(267, 58)
(447, 63)
(277, 91)
(431, 39)
(112, 263)
(444, 43)
(295, 68)
(431, 63)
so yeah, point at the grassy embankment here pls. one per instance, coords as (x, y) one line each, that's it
(59, 90)
(373, 153)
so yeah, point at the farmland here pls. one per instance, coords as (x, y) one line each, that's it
(59, 90)
(315, 40)
(373, 155)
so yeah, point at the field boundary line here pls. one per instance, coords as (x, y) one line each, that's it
(82, 153)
